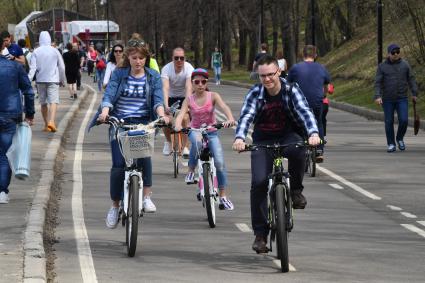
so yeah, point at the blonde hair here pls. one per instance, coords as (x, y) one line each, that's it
(135, 44)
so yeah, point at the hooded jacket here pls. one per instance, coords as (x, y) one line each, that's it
(47, 62)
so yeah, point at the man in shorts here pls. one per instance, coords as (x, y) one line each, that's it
(176, 86)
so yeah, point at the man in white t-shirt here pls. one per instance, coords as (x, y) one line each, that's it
(176, 86)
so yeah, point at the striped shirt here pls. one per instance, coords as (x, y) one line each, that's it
(133, 103)
(294, 104)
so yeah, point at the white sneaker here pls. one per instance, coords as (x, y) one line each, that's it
(167, 148)
(112, 217)
(185, 153)
(225, 204)
(148, 205)
(4, 198)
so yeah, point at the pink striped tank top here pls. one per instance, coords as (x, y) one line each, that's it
(201, 114)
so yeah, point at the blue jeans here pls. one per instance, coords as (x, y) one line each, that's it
(217, 152)
(7, 130)
(401, 106)
(117, 176)
(217, 72)
(99, 77)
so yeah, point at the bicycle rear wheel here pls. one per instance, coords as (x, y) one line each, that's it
(209, 197)
(281, 228)
(307, 161)
(313, 161)
(132, 218)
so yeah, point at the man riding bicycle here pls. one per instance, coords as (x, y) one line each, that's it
(280, 114)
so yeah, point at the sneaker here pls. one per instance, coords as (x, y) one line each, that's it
(148, 205)
(198, 196)
(112, 217)
(260, 245)
(190, 178)
(298, 201)
(391, 148)
(75, 96)
(185, 153)
(52, 126)
(401, 145)
(71, 97)
(166, 150)
(225, 204)
(4, 198)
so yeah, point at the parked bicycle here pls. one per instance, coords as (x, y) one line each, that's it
(135, 141)
(207, 178)
(280, 212)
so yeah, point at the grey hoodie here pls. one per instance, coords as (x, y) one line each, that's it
(47, 62)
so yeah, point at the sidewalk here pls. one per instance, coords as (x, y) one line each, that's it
(21, 241)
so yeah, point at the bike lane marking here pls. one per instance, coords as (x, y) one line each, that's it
(421, 222)
(85, 258)
(408, 214)
(395, 208)
(336, 186)
(277, 263)
(414, 229)
(348, 183)
(243, 227)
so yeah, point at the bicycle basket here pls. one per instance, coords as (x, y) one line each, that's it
(138, 145)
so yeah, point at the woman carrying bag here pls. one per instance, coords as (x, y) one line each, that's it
(13, 81)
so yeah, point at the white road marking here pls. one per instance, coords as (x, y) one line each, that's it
(277, 262)
(395, 208)
(336, 186)
(408, 215)
(415, 229)
(243, 227)
(83, 245)
(348, 183)
(421, 222)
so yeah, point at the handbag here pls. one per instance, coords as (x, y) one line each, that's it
(19, 153)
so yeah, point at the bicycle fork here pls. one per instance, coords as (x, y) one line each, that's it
(128, 175)
(213, 190)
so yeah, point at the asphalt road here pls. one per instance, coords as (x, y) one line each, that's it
(364, 222)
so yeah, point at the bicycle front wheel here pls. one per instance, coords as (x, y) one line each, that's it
(132, 219)
(281, 228)
(209, 197)
(176, 163)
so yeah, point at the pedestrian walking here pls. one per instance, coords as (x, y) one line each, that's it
(91, 60)
(393, 77)
(100, 69)
(216, 62)
(312, 78)
(47, 62)
(115, 58)
(10, 50)
(13, 81)
(72, 68)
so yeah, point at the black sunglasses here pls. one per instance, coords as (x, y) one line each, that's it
(397, 51)
(118, 51)
(177, 58)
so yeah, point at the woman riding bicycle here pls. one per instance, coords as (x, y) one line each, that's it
(201, 106)
(134, 93)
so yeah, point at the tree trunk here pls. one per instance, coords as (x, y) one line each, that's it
(242, 46)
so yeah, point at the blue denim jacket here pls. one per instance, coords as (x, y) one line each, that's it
(13, 81)
(117, 85)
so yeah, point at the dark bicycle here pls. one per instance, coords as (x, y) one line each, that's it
(280, 212)
(310, 160)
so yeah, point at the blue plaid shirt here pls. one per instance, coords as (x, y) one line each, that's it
(294, 104)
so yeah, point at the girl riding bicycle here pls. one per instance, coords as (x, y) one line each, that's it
(201, 106)
(133, 94)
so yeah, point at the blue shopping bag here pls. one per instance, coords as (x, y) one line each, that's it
(19, 153)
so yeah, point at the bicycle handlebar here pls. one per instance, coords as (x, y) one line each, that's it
(120, 123)
(276, 146)
(217, 126)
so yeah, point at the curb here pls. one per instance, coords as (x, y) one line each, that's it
(33, 247)
(358, 110)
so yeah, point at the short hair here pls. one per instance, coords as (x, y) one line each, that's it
(264, 46)
(4, 34)
(267, 60)
(178, 48)
(22, 43)
(69, 46)
(309, 51)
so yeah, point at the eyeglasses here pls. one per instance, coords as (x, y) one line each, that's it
(136, 43)
(177, 58)
(397, 51)
(197, 82)
(269, 75)
(118, 51)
